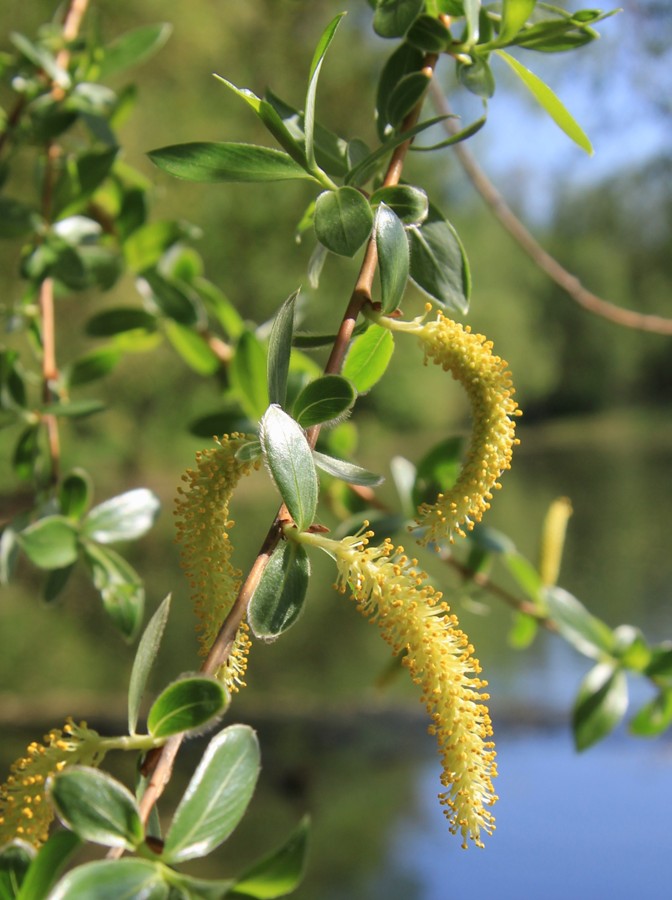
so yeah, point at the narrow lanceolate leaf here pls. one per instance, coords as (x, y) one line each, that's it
(47, 865)
(279, 598)
(123, 518)
(584, 631)
(280, 350)
(185, 705)
(514, 15)
(216, 797)
(393, 257)
(472, 9)
(97, 807)
(393, 18)
(549, 101)
(15, 860)
(51, 543)
(133, 47)
(439, 265)
(218, 162)
(113, 880)
(279, 873)
(315, 66)
(368, 358)
(248, 374)
(323, 400)
(343, 220)
(346, 471)
(148, 647)
(120, 587)
(600, 705)
(290, 461)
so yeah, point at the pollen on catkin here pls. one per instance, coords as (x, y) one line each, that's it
(25, 811)
(487, 381)
(203, 526)
(417, 623)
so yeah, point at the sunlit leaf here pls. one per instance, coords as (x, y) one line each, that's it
(148, 647)
(368, 358)
(50, 543)
(185, 705)
(315, 67)
(346, 471)
(279, 873)
(219, 162)
(584, 631)
(113, 880)
(248, 374)
(52, 858)
(654, 717)
(393, 257)
(120, 587)
(322, 400)
(343, 220)
(600, 705)
(280, 350)
(439, 264)
(123, 518)
(280, 595)
(290, 460)
(133, 47)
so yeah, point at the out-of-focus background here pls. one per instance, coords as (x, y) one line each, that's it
(596, 428)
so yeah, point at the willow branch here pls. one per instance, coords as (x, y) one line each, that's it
(159, 764)
(569, 283)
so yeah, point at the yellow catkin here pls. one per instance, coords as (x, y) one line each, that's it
(203, 526)
(25, 811)
(487, 381)
(414, 620)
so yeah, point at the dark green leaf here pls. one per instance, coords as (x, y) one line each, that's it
(41, 58)
(50, 543)
(279, 873)
(55, 583)
(600, 705)
(172, 300)
(96, 807)
(407, 93)
(199, 888)
(48, 864)
(393, 18)
(76, 409)
(404, 60)
(16, 218)
(74, 493)
(278, 600)
(368, 358)
(550, 102)
(439, 264)
(343, 220)
(409, 203)
(216, 797)
(248, 374)
(280, 350)
(92, 366)
(123, 518)
(192, 347)
(437, 471)
(218, 162)
(393, 257)
(133, 47)
(186, 705)
(346, 471)
(290, 461)
(225, 422)
(122, 318)
(148, 647)
(12, 385)
(654, 717)
(113, 880)
(15, 858)
(323, 400)
(330, 149)
(120, 587)
(429, 35)
(315, 66)
(661, 662)
(586, 633)
(477, 77)
(456, 138)
(26, 451)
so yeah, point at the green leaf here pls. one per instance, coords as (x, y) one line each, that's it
(185, 705)
(172, 300)
(407, 93)
(120, 587)
(404, 60)
(437, 471)
(96, 807)
(330, 149)
(343, 220)
(439, 265)
(76, 409)
(346, 471)
(323, 400)
(133, 47)
(148, 647)
(248, 374)
(41, 58)
(290, 461)
(123, 518)
(219, 162)
(550, 102)
(279, 873)
(74, 493)
(225, 422)
(393, 257)
(55, 583)
(119, 879)
(515, 14)
(477, 77)
(280, 595)
(315, 67)
(368, 358)
(52, 858)
(280, 351)
(457, 138)
(409, 203)
(192, 347)
(523, 631)
(50, 543)
(393, 18)
(15, 859)
(654, 717)
(199, 888)
(631, 648)
(216, 797)
(26, 451)
(661, 662)
(16, 218)
(115, 321)
(145, 247)
(92, 366)
(472, 10)
(600, 705)
(586, 633)
(526, 576)
(428, 34)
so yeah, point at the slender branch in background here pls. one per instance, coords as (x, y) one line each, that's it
(562, 277)
(160, 762)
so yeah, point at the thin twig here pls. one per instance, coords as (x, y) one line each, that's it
(160, 765)
(562, 277)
